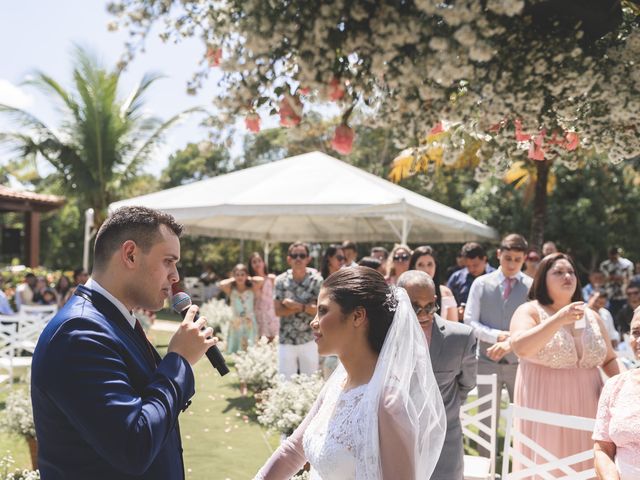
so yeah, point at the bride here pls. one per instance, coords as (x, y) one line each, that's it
(380, 414)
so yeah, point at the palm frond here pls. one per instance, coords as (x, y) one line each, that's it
(134, 101)
(47, 85)
(26, 119)
(140, 156)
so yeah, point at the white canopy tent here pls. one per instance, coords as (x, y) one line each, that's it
(311, 197)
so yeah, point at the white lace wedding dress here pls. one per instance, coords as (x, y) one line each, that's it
(330, 439)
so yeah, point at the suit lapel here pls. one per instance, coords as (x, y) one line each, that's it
(437, 339)
(115, 317)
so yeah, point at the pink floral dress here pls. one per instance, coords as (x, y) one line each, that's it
(618, 421)
(268, 322)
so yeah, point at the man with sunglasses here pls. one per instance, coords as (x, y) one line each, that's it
(295, 296)
(452, 348)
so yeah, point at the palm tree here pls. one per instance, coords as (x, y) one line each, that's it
(102, 141)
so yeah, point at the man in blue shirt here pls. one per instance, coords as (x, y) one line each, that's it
(475, 260)
(5, 308)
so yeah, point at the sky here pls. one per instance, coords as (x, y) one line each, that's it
(40, 34)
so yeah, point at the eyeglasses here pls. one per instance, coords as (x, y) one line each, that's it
(429, 308)
(401, 258)
(340, 258)
(295, 256)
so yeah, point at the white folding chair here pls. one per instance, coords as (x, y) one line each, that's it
(477, 467)
(7, 334)
(44, 312)
(551, 462)
(11, 365)
(194, 288)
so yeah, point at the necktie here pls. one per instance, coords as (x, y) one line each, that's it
(138, 329)
(508, 286)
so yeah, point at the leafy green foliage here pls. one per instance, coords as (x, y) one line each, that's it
(194, 163)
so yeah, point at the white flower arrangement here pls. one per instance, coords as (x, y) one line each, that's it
(218, 314)
(18, 414)
(257, 367)
(285, 405)
(6, 473)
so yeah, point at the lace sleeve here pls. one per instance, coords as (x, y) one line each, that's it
(289, 458)
(603, 417)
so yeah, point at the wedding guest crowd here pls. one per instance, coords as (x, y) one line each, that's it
(618, 272)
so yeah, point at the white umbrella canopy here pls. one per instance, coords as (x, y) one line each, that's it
(311, 197)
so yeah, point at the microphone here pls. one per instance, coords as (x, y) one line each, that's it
(180, 303)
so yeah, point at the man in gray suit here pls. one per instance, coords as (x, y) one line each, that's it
(493, 298)
(452, 347)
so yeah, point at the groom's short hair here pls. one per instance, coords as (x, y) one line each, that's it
(140, 224)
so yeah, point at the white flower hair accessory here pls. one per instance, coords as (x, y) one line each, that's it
(392, 298)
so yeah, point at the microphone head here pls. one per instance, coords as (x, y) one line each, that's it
(180, 301)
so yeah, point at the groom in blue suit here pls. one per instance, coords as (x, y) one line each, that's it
(105, 404)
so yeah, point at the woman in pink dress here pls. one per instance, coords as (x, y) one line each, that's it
(561, 343)
(617, 431)
(268, 322)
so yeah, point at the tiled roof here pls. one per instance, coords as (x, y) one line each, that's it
(21, 196)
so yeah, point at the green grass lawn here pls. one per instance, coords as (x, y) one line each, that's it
(220, 437)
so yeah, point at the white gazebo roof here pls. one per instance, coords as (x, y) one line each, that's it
(311, 197)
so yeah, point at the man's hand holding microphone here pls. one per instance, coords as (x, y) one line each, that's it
(193, 338)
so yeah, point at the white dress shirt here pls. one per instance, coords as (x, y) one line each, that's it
(93, 285)
(483, 332)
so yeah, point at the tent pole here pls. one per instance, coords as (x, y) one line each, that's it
(266, 253)
(405, 230)
(88, 233)
(242, 250)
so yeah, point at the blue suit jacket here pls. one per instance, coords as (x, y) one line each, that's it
(104, 407)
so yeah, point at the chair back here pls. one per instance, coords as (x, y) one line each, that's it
(8, 340)
(45, 312)
(194, 288)
(551, 462)
(471, 418)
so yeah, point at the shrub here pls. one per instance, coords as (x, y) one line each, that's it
(285, 405)
(258, 366)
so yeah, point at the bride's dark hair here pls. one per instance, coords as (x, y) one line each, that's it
(364, 287)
